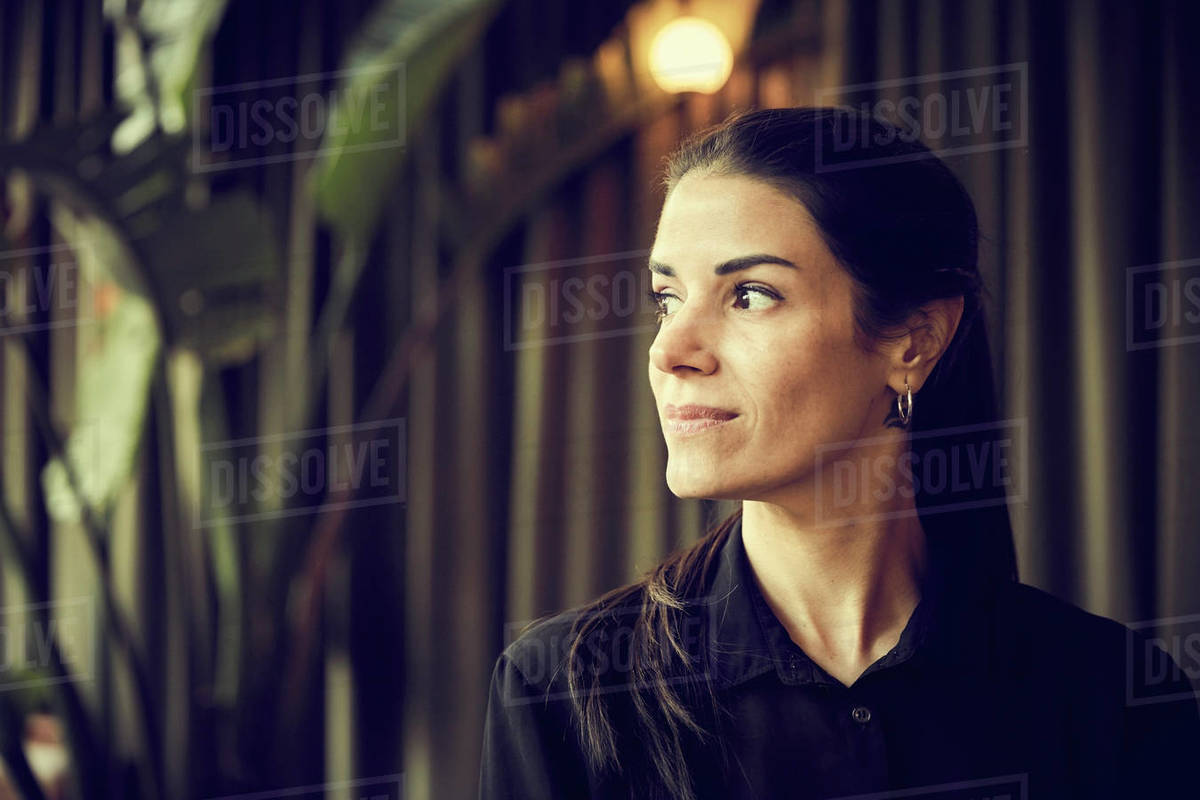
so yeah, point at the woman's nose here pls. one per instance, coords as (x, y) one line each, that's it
(684, 340)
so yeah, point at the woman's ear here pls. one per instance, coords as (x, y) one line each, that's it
(930, 331)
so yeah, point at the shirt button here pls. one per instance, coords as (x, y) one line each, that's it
(861, 714)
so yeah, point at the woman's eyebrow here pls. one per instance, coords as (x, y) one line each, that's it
(732, 265)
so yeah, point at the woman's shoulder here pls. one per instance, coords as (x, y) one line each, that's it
(1051, 617)
(1086, 648)
(1127, 688)
(541, 652)
(1057, 628)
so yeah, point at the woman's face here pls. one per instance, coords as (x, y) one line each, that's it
(771, 343)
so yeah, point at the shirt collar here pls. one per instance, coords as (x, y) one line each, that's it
(747, 640)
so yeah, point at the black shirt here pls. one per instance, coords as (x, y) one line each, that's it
(993, 690)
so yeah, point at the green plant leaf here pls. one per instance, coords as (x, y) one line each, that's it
(121, 344)
(421, 41)
(175, 32)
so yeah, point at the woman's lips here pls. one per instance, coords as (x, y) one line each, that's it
(694, 418)
(687, 426)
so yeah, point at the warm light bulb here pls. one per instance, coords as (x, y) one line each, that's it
(690, 55)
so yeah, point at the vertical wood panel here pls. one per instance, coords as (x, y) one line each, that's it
(1017, 319)
(466, 643)
(1178, 438)
(421, 634)
(1101, 377)
(530, 395)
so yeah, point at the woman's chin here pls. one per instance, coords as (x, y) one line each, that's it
(706, 486)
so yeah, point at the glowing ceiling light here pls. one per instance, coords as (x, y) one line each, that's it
(690, 54)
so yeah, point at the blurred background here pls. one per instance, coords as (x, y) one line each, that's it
(323, 343)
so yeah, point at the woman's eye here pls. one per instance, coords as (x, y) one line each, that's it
(746, 298)
(760, 293)
(659, 300)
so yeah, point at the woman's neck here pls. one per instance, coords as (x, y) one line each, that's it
(844, 592)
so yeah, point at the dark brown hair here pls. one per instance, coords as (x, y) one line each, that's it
(904, 228)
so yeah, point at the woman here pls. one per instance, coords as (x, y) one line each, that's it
(856, 627)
